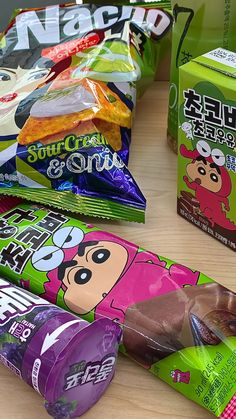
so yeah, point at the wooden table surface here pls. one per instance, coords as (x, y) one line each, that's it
(134, 392)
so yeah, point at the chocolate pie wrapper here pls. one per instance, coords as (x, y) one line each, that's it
(69, 77)
(65, 359)
(177, 323)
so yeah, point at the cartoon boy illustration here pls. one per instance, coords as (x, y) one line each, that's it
(161, 309)
(210, 181)
(24, 77)
(101, 272)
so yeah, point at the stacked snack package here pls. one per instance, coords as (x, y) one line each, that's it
(68, 80)
(207, 146)
(199, 26)
(65, 359)
(177, 323)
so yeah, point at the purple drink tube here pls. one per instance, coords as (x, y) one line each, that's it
(67, 360)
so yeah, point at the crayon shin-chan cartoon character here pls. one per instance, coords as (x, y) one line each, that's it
(162, 309)
(211, 182)
(102, 273)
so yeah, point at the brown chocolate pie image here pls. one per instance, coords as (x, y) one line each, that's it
(190, 316)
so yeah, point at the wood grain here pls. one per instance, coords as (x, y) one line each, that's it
(135, 393)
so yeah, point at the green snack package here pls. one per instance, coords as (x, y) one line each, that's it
(207, 147)
(68, 80)
(199, 26)
(161, 48)
(165, 4)
(177, 323)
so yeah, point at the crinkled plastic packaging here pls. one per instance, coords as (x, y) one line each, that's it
(177, 323)
(199, 27)
(68, 80)
(163, 47)
(65, 359)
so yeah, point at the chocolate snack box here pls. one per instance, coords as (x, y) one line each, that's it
(207, 146)
(199, 26)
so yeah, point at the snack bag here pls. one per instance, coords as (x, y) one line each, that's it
(199, 26)
(177, 323)
(68, 79)
(65, 359)
(163, 47)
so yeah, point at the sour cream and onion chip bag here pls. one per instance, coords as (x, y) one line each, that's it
(68, 77)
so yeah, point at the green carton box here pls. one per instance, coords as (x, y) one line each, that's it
(207, 145)
(199, 26)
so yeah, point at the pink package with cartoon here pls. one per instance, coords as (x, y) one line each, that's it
(176, 321)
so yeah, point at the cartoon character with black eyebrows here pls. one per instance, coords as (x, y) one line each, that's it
(103, 273)
(211, 182)
(161, 308)
(24, 77)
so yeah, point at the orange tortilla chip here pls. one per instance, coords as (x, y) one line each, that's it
(98, 88)
(110, 108)
(83, 128)
(36, 129)
(111, 132)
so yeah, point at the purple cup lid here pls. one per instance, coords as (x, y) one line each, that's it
(82, 370)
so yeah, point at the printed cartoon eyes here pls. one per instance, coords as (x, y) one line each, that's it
(203, 148)
(47, 258)
(82, 276)
(7, 232)
(38, 75)
(214, 177)
(201, 170)
(4, 77)
(68, 237)
(101, 255)
(218, 157)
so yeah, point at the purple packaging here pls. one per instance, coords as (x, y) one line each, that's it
(67, 360)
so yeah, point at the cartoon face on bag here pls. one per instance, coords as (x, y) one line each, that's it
(21, 74)
(16, 84)
(87, 270)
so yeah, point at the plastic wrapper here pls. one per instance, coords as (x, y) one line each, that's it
(177, 323)
(163, 47)
(67, 360)
(68, 80)
(199, 27)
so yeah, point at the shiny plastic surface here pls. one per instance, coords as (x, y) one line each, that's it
(177, 323)
(67, 360)
(68, 81)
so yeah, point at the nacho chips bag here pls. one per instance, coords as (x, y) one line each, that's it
(68, 78)
(162, 47)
